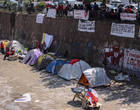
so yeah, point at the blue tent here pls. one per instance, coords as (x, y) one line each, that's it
(51, 68)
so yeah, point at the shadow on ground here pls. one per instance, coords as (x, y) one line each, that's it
(126, 92)
(52, 81)
(76, 103)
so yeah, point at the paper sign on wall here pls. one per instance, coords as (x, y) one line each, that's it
(81, 14)
(51, 13)
(123, 30)
(86, 26)
(39, 18)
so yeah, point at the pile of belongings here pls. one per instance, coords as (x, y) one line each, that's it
(121, 77)
(12, 49)
(92, 97)
(43, 61)
(32, 57)
(18, 47)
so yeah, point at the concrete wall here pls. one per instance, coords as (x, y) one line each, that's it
(88, 46)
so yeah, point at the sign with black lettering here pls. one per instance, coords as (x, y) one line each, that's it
(81, 14)
(86, 26)
(128, 16)
(132, 60)
(123, 30)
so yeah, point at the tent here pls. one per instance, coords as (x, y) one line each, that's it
(73, 71)
(15, 44)
(32, 56)
(54, 66)
(43, 61)
(94, 77)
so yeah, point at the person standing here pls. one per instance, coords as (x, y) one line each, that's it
(2, 48)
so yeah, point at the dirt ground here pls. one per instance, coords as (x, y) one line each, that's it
(53, 93)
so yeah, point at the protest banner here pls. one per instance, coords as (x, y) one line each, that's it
(128, 16)
(81, 14)
(132, 60)
(39, 18)
(86, 26)
(123, 30)
(51, 13)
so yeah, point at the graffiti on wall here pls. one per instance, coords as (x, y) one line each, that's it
(125, 60)
(113, 57)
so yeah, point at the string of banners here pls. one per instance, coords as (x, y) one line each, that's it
(86, 26)
(123, 30)
(128, 16)
(132, 60)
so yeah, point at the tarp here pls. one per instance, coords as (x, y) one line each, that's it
(32, 56)
(95, 77)
(51, 68)
(69, 71)
(16, 45)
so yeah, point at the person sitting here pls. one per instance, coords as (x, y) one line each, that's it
(7, 54)
(12, 51)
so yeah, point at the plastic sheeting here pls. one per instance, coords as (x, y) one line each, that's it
(96, 77)
(32, 56)
(15, 44)
(74, 71)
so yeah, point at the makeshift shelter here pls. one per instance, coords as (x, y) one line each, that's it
(94, 77)
(16, 45)
(54, 66)
(32, 56)
(43, 61)
(73, 71)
